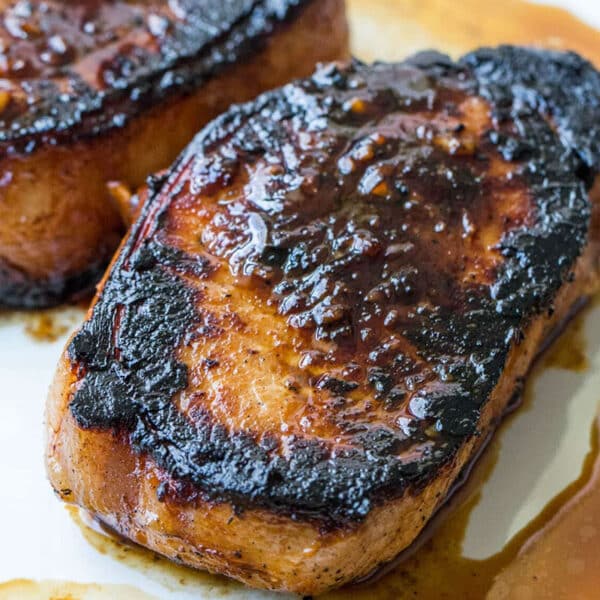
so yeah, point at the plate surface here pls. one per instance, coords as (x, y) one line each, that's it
(541, 449)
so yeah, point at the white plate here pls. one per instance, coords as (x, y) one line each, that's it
(542, 451)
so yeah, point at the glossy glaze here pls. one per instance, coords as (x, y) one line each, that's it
(532, 559)
(400, 27)
(76, 69)
(533, 562)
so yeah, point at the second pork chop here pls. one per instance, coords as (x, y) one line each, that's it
(94, 92)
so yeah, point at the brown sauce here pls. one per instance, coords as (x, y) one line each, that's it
(44, 325)
(568, 352)
(524, 568)
(556, 555)
(26, 589)
(562, 560)
(439, 570)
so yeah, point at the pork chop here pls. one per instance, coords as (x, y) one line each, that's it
(325, 307)
(100, 92)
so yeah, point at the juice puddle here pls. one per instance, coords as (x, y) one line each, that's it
(47, 325)
(26, 589)
(562, 560)
(527, 566)
(568, 352)
(438, 570)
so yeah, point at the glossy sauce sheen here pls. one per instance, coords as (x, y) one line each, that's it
(76, 69)
(518, 571)
(384, 217)
(532, 564)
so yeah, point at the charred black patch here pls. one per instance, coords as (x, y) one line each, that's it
(357, 255)
(185, 50)
(336, 386)
(152, 253)
(19, 290)
(570, 94)
(131, 376)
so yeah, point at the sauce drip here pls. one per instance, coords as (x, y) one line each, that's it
(439, 569)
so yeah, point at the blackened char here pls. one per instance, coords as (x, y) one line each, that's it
(78, 69)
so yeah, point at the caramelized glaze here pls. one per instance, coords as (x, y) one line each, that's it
(398, 28)
(395, 224)
(75, 69)
(527, 562)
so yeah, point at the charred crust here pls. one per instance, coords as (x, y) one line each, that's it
(51, 102)
(570, 94)
(459, 335)
(19, 290)
(538, 259)
(130, 381)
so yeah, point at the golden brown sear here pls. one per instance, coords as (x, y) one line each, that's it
(96, 92)
(325, 307)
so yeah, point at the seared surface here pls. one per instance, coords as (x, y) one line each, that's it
(327, 302)
(76, 69)
(114, 90)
